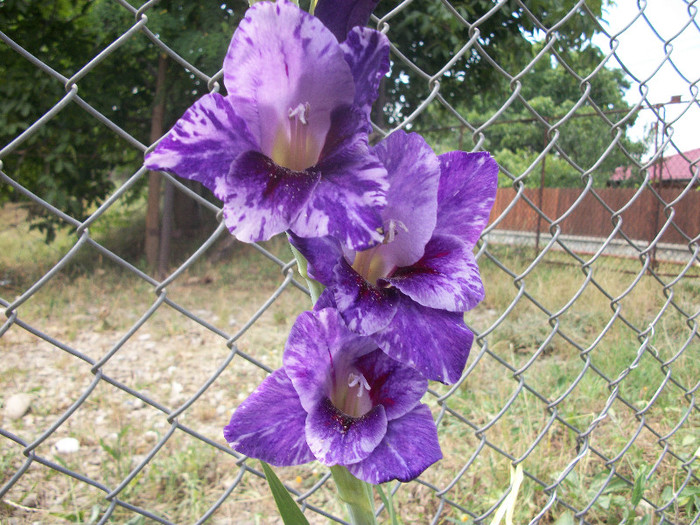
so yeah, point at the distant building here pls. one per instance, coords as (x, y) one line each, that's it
(673, 170)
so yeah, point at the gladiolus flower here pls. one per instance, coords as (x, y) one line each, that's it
(286, 148)
(410, 292)
(342, 401)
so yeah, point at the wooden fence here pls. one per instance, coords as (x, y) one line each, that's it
(642, 218)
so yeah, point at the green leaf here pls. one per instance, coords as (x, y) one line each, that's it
(567, 518)
(616, 485)
(289, 510)
(638, 489)
(388, 500)
(667, 494)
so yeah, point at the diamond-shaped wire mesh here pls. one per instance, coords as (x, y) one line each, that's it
(584, 370)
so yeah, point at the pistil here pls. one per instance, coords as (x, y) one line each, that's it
(350, 393)
(357, 402)
(294, 146)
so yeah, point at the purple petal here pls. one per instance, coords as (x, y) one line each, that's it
(396, 387)
(281, 57)
(411, 212)
(269, 425)
(447, 276)
(261, 198)
(367, 54)
(342, 15)
(467, 190)
(325, 301)
(315, 340)
(347, 201)
(365, 308)
(322, 254)
(204, 142)
(434, 342)
(409, 447)
(336, 438)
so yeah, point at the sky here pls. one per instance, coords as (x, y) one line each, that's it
(642, 52)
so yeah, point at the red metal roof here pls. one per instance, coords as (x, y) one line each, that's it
(671, 168)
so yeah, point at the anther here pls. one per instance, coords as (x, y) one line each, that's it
(392, 230)
(300, 112)
(358, 379)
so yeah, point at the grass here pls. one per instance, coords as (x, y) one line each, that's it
(558, 326)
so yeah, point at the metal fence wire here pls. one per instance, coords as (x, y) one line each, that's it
(584, 370)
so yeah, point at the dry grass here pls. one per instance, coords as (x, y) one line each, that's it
(92, 303)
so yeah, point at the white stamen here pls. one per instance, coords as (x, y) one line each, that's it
(300, 112)
(355, 379)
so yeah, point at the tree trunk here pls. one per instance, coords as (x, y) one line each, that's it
(154, 178)
(166, 230)
(187, 212)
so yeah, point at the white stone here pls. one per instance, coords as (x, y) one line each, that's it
(135, 403)
(67, 445)
(175, 389)
(17, 405)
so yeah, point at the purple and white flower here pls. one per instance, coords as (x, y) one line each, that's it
(340, 16)
(410, 292)
(286, 148)
(342, 401)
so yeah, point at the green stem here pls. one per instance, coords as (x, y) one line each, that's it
(356, 494)
(315, 288)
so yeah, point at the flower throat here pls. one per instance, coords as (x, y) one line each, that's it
(294, 146)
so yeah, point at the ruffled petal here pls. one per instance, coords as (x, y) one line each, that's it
(321, 253)
(336, 438)
(409, 447)
(260, 198)
(410, 215)
(365, 308)
(281, 57)
(315, 340)
(204, 142)
(467, 190)
(342, 15)
(367, 54)
(447, 276)
(347, 201)
(269, 425)
(326, 300)
(396, 387)
(434, 342)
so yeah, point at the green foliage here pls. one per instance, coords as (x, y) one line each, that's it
(388, 501)
(430, 35)
(579, 144)
(289, 510)
(63, 160)
(478, 86)
(74, 161)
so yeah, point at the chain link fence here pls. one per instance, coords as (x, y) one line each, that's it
(584, 370)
